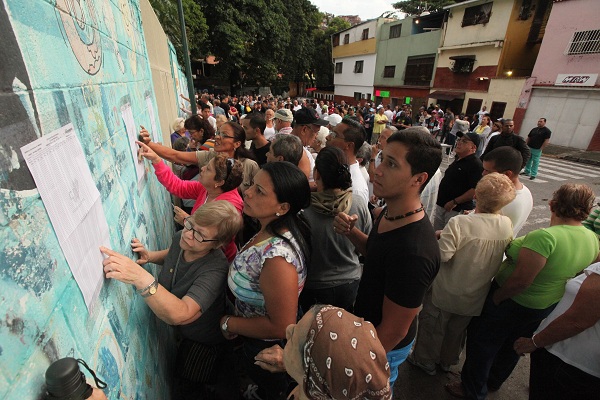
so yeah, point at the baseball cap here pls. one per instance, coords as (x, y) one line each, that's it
(334, 119)
(472, 136)
(284, 114)
(309, 116)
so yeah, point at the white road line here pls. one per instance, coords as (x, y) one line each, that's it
(555, 178)
(536, 180)
(575, 166)
(562, 173)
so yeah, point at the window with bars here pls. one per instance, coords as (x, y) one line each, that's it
(365, 34)
(477, 15)
(358, 67)
(419, 70)
(395, 31)
(584, 42)
(389, 71)
(346, 38)
(338, 67)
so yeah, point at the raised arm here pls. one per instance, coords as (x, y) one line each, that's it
(167, 153)
(164, 304)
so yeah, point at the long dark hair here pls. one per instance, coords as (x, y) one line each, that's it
(332, 165)
(239, 135)
(291, 186)
(197, 123)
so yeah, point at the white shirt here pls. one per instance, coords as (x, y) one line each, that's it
(296, 108)
(359, 185)
(430, 193)
(582, 350)
(518, 210)
(312, 163)
(389, 114)
(213, 122)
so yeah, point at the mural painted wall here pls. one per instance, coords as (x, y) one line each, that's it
(66, 61)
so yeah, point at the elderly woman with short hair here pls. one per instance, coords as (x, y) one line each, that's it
(530, 283)
(189, 292)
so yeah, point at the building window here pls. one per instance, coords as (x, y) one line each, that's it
(584, 42)
(419, 70)
(462, 64)
(338, 67)
(395, 31)
(477, 15)
(357, 96)
(365, 34)
(346, 38)
(358, 67)
(336, 40)
(389, 71)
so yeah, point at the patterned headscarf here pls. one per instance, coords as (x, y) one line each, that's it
(343, 359)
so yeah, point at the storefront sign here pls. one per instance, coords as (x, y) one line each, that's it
(576, 79)
(382, 93)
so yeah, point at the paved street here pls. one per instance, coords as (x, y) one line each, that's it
(412, 383)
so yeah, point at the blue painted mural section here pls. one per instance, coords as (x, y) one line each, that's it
(66, 61)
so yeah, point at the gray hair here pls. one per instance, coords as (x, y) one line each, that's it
(287, 146)
(364, 152)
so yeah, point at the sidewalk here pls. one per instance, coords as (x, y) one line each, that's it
(571, 154)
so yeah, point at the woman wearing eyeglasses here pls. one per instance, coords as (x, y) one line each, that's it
(189, 292)
(229, 140)
(218, 180)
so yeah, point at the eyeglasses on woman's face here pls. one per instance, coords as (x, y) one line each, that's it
(187, 224)
(223, 135)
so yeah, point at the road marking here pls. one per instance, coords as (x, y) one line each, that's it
(564, 173)
(580, 168)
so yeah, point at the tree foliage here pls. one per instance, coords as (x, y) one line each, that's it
(195, 23)
(257, 42)
(416, 7)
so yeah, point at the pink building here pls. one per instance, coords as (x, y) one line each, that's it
(564, 87)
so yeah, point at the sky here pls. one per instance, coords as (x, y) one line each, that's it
(365, 9)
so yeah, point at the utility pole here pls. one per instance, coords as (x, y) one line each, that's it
(186, 59)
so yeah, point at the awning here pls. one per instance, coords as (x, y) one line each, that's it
(446, 95)
(470, 57)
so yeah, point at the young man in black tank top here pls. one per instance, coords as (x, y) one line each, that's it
(401, 253)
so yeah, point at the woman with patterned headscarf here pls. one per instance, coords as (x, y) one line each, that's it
(332, 354)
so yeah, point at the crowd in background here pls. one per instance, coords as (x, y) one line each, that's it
(340, 213)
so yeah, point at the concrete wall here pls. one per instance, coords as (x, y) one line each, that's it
(566, 18)
(355, 43)
(160, 65)
(571, 114)
(76, 65)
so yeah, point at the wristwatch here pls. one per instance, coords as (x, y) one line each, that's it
(224, 326)
(149, 290)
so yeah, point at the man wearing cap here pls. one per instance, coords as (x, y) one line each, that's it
(307, 124)
(283, 120)
(333, 120)
(457, 188)
(379, 123)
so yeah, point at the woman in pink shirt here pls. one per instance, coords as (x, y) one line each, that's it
(218, 180)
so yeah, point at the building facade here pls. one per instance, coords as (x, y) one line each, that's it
(406, 57)
(488, 50)
(354, 56)
(564, 87)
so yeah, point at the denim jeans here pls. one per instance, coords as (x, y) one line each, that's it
(395, 358)
(490, 338)
(342, 296)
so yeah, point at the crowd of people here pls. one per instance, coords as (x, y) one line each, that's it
(321, 247)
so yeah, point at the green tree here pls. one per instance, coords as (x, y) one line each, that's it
(323, 58)
(416, 7)
(303, 19)
(249, 38)
(195, 25)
